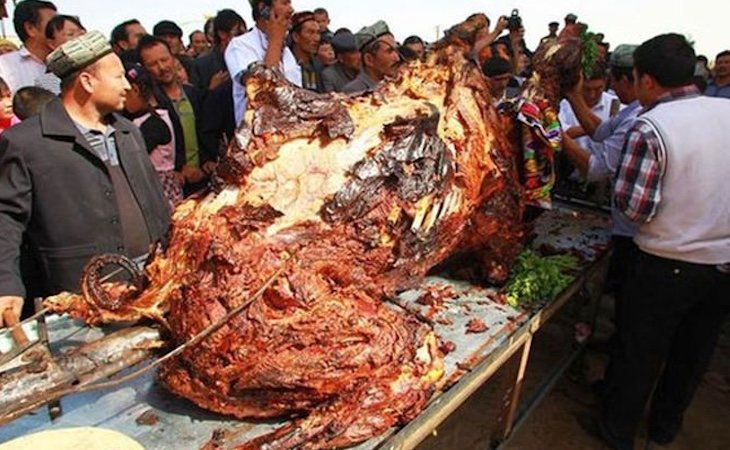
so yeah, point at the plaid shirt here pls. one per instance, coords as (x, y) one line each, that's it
(638, 182)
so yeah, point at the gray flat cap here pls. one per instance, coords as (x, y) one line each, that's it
(623, 56)
(344, 42)
(368, 35)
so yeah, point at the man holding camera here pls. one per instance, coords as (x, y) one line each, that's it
(514, 42)
(264, 43)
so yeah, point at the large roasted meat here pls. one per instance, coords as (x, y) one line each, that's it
(348, 200)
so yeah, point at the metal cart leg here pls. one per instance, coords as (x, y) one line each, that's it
(506, 419)
(517, 390)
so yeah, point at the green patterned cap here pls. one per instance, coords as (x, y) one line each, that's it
(78, 53)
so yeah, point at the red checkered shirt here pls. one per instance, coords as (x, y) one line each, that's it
(638, 182)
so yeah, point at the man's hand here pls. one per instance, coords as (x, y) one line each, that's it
(577, 155)
(217, 79)
(501, 25)
(575, 132)
(277, 27)
(587, 119)
(192, 174)
(576, 92)
(485, 37)
(209, 167)
(14, 304)
(179, 178)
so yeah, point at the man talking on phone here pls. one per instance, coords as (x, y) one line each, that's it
(265, 43)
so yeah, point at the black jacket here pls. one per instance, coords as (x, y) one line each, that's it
(206, 66)
(207, 148)
(54, 188)
(218, 117)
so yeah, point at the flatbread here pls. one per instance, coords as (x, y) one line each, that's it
(87, 438)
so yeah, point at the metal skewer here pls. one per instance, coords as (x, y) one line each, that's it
(43, 311)
(54, 408)
(212, 328)
(86, 384)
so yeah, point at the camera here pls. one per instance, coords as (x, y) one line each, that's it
(514, 21)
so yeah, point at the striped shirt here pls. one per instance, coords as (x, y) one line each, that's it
(50, 82)
(104, 144)
(637, 190)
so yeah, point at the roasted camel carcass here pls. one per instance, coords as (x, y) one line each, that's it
(345, 200)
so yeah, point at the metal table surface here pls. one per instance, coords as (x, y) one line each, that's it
(477, 356)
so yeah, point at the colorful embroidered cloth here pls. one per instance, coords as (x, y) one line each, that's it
(541, 140)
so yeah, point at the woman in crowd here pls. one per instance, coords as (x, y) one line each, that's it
(156, 127)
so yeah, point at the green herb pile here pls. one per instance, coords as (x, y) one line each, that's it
(590, 51)
(537, 278)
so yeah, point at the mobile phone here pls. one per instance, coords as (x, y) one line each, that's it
(265, 12)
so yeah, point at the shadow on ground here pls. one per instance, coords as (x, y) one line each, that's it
(553, 423)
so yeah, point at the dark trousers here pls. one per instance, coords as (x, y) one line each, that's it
(669, 322)
(624, 251)
(622, 260)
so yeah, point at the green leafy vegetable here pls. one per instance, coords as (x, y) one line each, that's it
(536, 278)
(590, 51)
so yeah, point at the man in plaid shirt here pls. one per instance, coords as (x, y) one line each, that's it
(638, 188)
(671, 181)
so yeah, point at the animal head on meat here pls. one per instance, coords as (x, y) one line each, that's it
(557, 64)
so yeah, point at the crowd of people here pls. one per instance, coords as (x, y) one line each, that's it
(103, 134)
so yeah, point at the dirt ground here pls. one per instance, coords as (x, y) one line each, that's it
(553, 423)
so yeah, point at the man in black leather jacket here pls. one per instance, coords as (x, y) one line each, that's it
(76, 180)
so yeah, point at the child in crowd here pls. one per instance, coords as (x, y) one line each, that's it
(156, 127)
(29, 101)
(6, 106)
(7, 46)
(181, 72)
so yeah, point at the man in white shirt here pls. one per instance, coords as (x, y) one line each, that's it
(264, 44)
(59, 30)
(603, 104)
(22, 67)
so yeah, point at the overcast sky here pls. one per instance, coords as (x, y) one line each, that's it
(622, 21)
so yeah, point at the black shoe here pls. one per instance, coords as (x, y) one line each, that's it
(664, 433)
(660, 440)
(598, 387)
(594, 427)
(651, 445)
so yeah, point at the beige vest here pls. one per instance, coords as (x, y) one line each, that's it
(692, 221)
